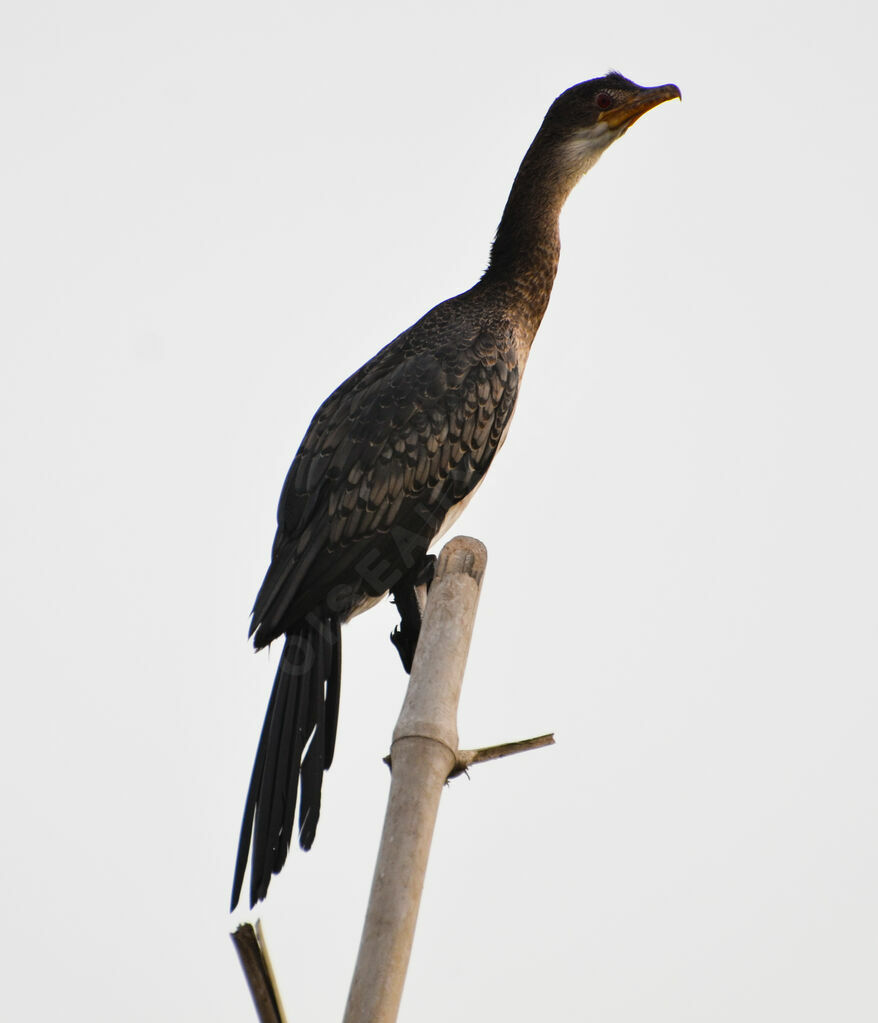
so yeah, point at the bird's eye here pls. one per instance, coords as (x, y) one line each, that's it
(603, 100)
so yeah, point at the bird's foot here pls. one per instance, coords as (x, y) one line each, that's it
(405, 636)
(406, 643)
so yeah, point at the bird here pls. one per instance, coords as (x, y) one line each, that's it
(390, 460)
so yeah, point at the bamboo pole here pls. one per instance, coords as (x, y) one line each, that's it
(253, 952)
(424, 753)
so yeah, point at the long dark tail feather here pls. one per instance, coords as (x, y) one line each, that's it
(298, 739)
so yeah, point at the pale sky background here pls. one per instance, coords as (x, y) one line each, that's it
(214, 212)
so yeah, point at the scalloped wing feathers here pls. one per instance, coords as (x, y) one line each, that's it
(387, 456)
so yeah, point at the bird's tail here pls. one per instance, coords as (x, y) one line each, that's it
(303, 707)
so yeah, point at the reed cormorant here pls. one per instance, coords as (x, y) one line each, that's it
(391, 459)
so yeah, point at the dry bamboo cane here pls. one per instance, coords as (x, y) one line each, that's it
(252, 951)
(424, 753)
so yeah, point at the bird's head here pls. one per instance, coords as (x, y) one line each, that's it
(587, 118)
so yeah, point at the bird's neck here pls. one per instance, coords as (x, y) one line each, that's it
(524, 256)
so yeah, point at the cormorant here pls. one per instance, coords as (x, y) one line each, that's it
(390, 460)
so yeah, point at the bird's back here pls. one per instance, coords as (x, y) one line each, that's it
(385, 459)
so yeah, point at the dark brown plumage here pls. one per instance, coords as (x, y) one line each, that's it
(392, 455)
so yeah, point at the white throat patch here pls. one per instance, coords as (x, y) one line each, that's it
(582, 151)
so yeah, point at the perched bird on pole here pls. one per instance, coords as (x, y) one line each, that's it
(390, 460)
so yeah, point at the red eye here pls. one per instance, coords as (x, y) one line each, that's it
(603, 101)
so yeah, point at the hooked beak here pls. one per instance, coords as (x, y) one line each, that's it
(622, 117)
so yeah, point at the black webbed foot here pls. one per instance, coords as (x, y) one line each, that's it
(405, 636)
